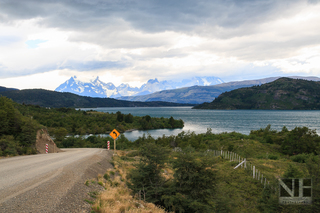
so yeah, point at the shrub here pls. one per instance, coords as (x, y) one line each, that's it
(300, 140)
(125, 158)
(300, 158)
(106, 176)
(293, 172)
(273, 157)
(133, 154)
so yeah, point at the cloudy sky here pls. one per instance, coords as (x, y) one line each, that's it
(45, 42)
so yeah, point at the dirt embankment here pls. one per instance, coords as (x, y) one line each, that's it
(43, 138)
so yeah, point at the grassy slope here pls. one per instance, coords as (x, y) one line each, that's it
(117, 197)
(236, 190)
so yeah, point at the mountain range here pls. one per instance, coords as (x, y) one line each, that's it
(97, 88)
(47, 98)
(201, 94)
(283, 93)
(186, 95)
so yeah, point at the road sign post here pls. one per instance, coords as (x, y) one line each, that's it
(114, 134)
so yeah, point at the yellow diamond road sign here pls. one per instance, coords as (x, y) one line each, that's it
(114, 134)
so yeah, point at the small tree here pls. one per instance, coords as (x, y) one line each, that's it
(128, 118)
(300, 140)
(60, 133)
(171, 122)
(27, 137)
(146, 180)
(193, 185)
(119, 116)
(8, 145)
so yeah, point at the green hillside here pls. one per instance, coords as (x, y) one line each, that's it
(19, 124)
(46, 98)
(195, 178)
(2, 89)
(17, 131)
(282, 94)
(201, 94)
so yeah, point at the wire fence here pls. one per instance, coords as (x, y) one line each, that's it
(243, 163)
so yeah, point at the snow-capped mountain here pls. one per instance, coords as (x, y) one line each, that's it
(93, 88)
(97, 88)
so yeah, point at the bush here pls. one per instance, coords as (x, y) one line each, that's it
(300, 140)
(106, 176)
(147, 176)
(193, 184)
(273, 157)
(293, 172)
(8, 145)
(300, 158)
(125, 158)
(133, 154)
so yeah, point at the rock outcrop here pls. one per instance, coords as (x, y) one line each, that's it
(43, 138)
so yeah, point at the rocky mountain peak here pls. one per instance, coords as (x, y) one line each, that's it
(97, 88)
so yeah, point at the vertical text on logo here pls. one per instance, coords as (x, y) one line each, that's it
(295, 191)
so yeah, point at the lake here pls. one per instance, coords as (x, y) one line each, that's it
(219, 121)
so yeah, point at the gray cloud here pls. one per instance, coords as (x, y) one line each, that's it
(109, 23)
(232, 28)
(70, 65)
(148, 16)
(100, 21)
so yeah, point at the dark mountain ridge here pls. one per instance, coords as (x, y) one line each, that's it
(2, 89)
(46, 98)
(281, 94)
(201, 94)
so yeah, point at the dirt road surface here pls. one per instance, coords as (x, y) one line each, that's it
(51, 182)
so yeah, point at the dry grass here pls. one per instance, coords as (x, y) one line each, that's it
(117, 198)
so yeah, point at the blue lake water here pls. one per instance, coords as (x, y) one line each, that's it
(219, 121)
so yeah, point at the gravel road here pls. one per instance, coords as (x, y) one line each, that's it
(51, 182)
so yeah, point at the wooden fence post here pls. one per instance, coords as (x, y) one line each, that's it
(254, 172)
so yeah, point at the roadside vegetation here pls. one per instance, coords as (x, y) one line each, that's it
(118, 197)
(191, 179)
(17, 132)
(20, 122)
(61, 122)
(174, 173)
(80, 122)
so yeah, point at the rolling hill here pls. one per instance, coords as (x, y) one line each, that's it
(3, 89)
(282, 94)
(46, 98)
(201, 94)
